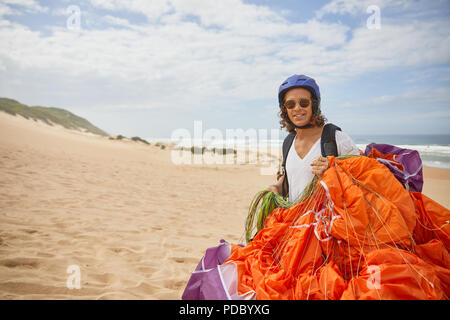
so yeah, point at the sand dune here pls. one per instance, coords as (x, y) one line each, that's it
(132, 222)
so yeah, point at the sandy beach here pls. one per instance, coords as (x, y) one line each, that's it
(134, 223)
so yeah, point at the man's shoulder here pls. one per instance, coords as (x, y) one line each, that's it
(345, 144)
(342, 135)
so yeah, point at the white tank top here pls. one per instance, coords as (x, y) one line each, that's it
(299, 172)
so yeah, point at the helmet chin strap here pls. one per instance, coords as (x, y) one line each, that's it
(306, 126)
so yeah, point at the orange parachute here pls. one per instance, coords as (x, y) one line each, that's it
(360, 235)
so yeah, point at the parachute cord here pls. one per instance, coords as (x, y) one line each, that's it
(371, 206)
(310, 231)
(362, 254)
(389, 233)
(308, 194)
(316, 196)
(359, 183)
(431, 229)
(434, 229)
(373, 235)
(324, 263)
(349, 255)
(277, 250)
(326, 274)
(265, 202)
(312, 270)
(289, 232)
(345, 209)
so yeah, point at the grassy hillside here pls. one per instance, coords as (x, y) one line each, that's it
(50, 116)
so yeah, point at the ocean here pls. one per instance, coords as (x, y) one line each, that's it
(434, 150)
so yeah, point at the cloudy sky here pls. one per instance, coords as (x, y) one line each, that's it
(148, 67)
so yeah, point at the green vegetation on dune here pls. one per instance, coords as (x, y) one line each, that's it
(50, 116)
(140, 140)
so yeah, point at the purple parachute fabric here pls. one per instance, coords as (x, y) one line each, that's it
(411, 177)
(205, 282)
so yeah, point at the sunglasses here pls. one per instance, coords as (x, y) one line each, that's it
(304, 103)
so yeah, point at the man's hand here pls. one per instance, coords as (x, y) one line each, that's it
(273, 188)
(319, 166)
(277, 187)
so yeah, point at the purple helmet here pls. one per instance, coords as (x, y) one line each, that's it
(299, 81)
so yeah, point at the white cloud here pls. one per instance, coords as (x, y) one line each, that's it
(237, 53)
(116, 21)
(152, 9)
(5, 10)
(354, 7)
(414, 44)
(416, 98)
(59, 12)
(28, 5)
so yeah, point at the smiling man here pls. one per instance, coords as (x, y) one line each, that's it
(310, 140)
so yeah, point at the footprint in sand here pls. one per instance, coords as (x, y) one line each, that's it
(175, 284)
(184, 259)
(45, 255)
(148, 270)
(109, 279)
(124, 250)
(30, 231)
(26, 263)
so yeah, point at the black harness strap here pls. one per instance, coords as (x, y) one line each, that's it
(287, 143)
(328, 147)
